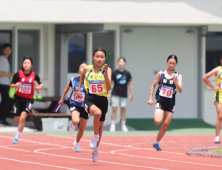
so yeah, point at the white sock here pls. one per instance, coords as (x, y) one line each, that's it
(96, 136)
(217, 138)
(18, 134)
(73, 126)
(96, 149)
(123, 123)
(75, 142)
(156, 142)
(113, 122)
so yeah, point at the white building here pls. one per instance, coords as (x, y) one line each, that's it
(61, 34)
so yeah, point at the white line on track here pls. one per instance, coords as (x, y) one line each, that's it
(54, 166)
(171, 160)
(116, 163)
(14, 149)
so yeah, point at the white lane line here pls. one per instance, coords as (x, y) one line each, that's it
(116, 163)
(170, 160)
(54, 166)
(14, 149)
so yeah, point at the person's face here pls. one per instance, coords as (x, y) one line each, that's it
(81, 67)
(121, 63)
(7, 51)
(27, 65)
(99, 58)
(171, 63)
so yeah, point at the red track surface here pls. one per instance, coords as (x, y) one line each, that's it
(115, 152)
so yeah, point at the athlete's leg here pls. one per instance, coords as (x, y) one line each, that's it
(100, 131)
(82, 126)
(97, 113)
(158, 116)
(75, 118)
(22, 121)
(219, 117)
(166, 121)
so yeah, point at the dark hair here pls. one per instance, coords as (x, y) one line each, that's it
(27, 57)
(99, 49)
(174, 57)
(122, 58)
(83, 63)
(6, 45)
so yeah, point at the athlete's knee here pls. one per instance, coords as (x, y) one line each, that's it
(220, 116)
(157, 123)
(75, 122)
(97, 114)
(16, 120)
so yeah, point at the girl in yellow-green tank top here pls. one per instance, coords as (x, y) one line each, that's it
(217, 72)
(97, 82)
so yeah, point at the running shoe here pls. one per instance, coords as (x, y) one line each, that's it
(112, 128)
(76, 146)
(72, 129)
(124, 128)
(15, 141)
(156, 146)
(94, 142)
(217, 139)
(94, 154)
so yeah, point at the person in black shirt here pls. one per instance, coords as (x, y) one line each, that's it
(121, 78)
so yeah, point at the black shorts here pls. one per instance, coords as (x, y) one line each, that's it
(22, 105)
(99, 101)
(165, 106)
(81, 110)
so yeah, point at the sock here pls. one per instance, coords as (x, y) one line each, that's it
(18, 134)
(96, 136)
(75, 142)
(123, 123)
(113, 122)
(156, 142)
(96, 149)
(217, 138)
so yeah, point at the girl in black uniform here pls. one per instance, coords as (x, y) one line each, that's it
(169, 82)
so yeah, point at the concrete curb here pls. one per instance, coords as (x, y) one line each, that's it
(200, 151)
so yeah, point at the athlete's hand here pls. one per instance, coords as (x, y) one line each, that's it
(37, 87)
(17, 85)
(150, 102)
(174, 77)
(61, 102)
(217, 88)
(105, 68)
(78, 94)
(131, 97)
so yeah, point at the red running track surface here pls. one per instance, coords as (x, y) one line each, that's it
(34, 152)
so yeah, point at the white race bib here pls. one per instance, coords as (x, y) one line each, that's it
(74, 97)
(96, 86)
(166, 91)
(25, 88)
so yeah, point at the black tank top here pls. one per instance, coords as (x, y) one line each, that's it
(166, 91)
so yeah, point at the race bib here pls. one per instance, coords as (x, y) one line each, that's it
(74, 97)
(166, 91)
(96, 87)
(25, 88)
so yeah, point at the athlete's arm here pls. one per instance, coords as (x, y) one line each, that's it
(108, 74)
(179, 83)
(15, 83)
(64, 94)
(210, 74)
(81, 80)
(37, 78)
(131, 90)
(110, 91)
(157, 80)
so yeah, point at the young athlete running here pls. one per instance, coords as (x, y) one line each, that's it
(169, 82)
(217, 72)
(97, 84)
(77, 107)
(24, 81)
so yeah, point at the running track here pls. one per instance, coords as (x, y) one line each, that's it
(116, 152)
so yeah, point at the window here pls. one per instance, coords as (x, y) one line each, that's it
(76, 52)
(29, 44)
(105, 40)
(213, 50)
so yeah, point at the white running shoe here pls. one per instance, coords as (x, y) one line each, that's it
(76, 146)
(217, 139)
(94, 142)
(72, 129)
(124, 128)
(94, 155)
(112, 128)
